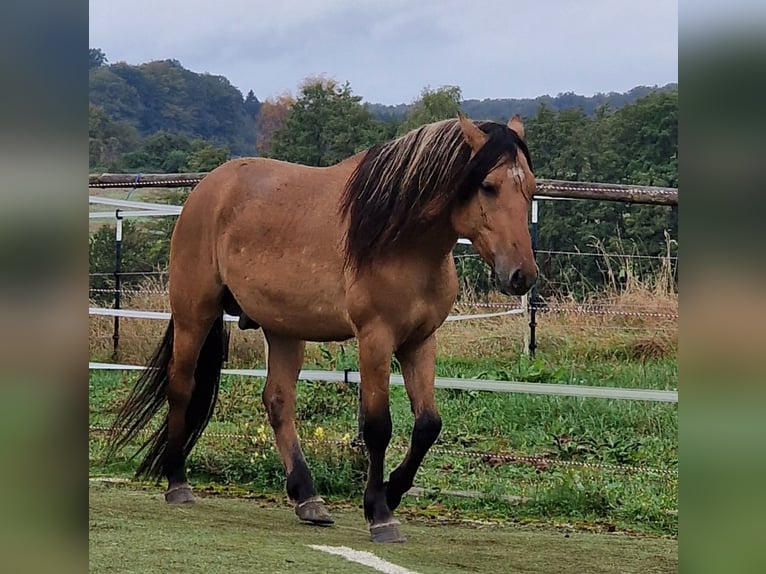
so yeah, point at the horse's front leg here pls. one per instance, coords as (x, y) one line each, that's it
(417, 363)
(375, 350)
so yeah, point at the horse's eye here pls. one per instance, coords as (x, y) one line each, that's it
(488, 188)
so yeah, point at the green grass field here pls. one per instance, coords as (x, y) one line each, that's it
(236, 453)
(583, 437)
(133, 530)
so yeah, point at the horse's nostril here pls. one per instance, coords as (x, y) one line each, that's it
(516, 279)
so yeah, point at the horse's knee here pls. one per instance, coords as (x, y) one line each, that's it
(427, 427)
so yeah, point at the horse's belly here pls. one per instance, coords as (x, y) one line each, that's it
(310, 324)
(303, 309)
(287, 284)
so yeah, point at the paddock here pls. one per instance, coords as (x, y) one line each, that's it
(132, 530)
(260, 532)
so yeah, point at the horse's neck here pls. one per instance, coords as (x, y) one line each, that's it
(435, 242)
(351, 162)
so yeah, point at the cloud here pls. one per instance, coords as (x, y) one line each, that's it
(389, 51)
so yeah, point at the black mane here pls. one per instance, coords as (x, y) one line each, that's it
(410, 181)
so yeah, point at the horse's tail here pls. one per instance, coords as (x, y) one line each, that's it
(150, 392)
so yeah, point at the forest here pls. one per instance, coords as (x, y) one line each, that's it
(160, 117)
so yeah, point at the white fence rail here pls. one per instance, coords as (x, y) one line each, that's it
(556, 189)
(462, 384)
(165, 316)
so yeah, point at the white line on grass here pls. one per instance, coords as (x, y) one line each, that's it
(366, 558)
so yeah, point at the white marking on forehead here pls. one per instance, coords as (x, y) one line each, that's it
(516, 171)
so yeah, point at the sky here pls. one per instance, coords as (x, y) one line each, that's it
(389, 50)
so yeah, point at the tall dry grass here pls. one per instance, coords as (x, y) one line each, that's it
(632, 318)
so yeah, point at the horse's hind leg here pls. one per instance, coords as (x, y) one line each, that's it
(285, 357)
(418, 371)
(189, 401)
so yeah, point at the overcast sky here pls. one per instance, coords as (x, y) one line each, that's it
(390, 49)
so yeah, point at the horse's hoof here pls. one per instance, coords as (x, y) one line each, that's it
(179, 494)
(387, 532)
(314, 511)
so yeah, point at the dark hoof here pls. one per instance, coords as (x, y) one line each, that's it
(314, 511)
(387, 532)
(179, 494)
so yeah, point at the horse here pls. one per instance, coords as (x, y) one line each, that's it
(359, 249)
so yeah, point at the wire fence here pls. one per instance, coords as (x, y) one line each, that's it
(634, 310)
(529, 310)
(614, 315)
(535, 304)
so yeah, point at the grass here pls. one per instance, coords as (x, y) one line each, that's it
(561, 428)
(132, 530)
(574, 347)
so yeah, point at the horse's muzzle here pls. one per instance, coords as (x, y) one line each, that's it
(517, 282)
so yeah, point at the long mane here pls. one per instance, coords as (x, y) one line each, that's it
(407, 183)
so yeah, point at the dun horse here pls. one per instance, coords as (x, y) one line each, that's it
(359, 249)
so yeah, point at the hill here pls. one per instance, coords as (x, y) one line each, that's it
(163, 96)
(504, 108)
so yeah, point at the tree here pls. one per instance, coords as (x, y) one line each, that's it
(502, 109)
(108, 140)
(635, 144)
(169, 153)
(326, 124)
(433, 106)
(645, 135)
(271, 118)
(205, 156)
(118, 97)
(142, 250)
(97, 58)
(252, 105)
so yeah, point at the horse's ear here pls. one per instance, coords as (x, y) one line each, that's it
(474, 137)
(515, 124)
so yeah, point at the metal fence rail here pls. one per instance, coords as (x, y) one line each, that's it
(550, 187)
(353, 377)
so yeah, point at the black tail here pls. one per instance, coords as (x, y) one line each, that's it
(149, 394)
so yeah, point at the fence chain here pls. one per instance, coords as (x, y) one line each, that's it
(488, 457)
(131, 291)
(603, 311)
(182, 182)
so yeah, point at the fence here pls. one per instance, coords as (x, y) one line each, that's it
(548, 190)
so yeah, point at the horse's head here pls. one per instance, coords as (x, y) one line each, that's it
(494, 214)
